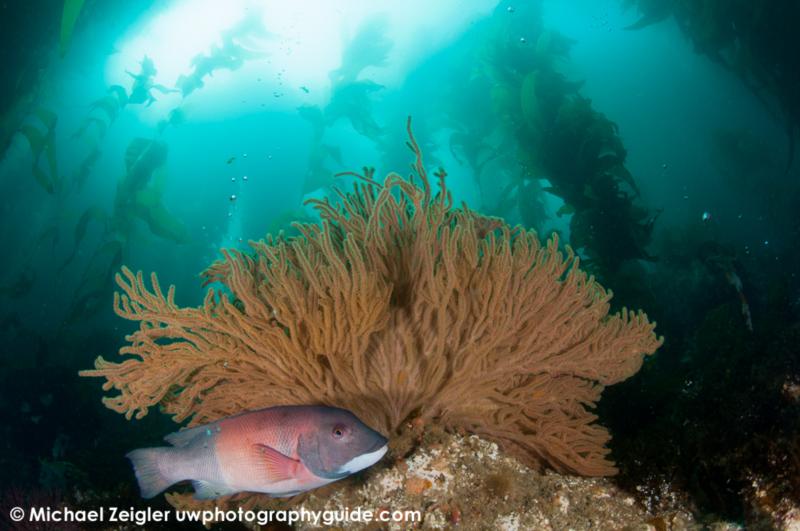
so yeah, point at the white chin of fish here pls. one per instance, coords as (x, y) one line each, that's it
(363, 461)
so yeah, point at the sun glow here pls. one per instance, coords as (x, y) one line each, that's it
(299, 43)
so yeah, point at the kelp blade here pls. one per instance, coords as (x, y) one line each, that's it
(72, 8)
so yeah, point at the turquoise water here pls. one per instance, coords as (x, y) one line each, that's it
(169, 130)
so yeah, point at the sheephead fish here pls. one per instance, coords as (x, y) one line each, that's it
(280, 451)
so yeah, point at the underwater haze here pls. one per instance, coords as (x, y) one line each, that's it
(656, 139)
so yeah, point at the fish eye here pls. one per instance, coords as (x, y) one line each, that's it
(338, 431)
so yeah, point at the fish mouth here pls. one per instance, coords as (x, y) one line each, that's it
(364, 460)
(381, 443)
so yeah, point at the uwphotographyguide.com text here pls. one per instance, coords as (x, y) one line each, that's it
(131, 515)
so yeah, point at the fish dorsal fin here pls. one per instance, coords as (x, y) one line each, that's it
(274, 465)
(187, 436)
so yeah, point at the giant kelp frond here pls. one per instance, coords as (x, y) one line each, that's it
(69, 16)
(395, 305)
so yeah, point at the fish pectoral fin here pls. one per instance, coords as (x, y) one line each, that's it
(205, 490)
(274, 465)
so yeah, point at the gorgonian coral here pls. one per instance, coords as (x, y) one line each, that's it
(396, 306)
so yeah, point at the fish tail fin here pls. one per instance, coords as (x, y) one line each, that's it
(149, 467)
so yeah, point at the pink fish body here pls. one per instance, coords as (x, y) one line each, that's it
(280, 451)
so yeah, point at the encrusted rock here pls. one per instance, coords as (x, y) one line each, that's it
(467, 482)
